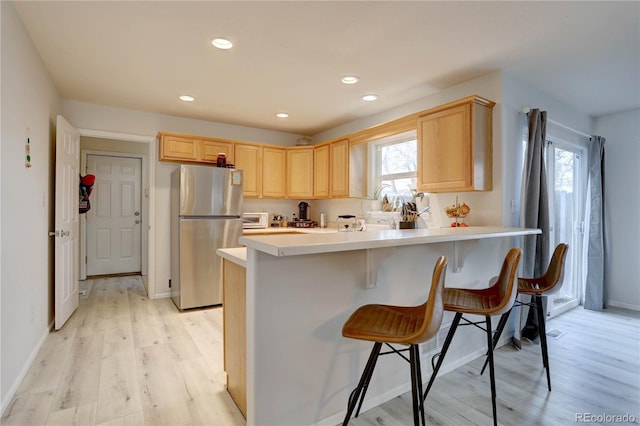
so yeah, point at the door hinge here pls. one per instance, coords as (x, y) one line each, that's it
(85, 260)
(169, 282)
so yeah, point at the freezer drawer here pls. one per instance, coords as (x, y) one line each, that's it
(199, 274)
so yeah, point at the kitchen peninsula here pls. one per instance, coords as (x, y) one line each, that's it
(301, 288)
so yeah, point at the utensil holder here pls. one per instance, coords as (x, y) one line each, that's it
(407, 225)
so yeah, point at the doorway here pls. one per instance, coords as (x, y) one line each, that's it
(101, 147)
(114, 223)
(566, 166)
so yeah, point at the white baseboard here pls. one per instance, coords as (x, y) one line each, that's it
(23, 373)
(161, 296)
(615, 304)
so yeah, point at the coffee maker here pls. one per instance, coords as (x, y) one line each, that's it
(303, 210)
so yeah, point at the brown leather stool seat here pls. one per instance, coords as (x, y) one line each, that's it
(495, 300)
(537, 288)
(406, 325)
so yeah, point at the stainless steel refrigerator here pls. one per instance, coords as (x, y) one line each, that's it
(206, 214)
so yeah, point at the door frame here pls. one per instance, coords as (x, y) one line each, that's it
(144, 230)
(581, 150)
(147, 205)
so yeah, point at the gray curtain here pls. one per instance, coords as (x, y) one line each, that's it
(535, 251)
(595, 291)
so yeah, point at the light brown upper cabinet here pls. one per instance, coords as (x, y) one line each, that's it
(455, 147)
(249, 159)
(274, 166)
(299, 172)
(178, 147)
(210, 148)
(339, 168)
(321, 171)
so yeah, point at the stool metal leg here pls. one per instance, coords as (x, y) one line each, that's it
(416, 385)
(491, 370)
(542, 328)
(445, 347)
(419, 394)
(496, 336)
(361, 389)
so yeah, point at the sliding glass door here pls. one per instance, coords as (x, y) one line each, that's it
(566, 166)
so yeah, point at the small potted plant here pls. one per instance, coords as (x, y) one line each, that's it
(376, 202)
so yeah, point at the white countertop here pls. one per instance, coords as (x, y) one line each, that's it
(236, 255)
(326, 240)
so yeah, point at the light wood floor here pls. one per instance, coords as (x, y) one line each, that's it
(123, 359)
(595, 369)
(126, 360)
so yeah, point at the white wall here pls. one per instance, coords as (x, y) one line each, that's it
(622, 201)
(96, 117)
(29, 100)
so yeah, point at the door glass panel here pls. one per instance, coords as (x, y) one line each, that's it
(567, 216)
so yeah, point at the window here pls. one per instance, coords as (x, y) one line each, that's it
(393, 166)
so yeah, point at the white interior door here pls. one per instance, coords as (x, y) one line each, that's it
(66, 221)
(114, 222)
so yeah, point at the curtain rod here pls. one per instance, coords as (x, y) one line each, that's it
(527, 109)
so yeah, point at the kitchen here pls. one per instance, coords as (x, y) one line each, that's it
(33, 310)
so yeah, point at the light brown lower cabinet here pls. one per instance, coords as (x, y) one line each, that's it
(235, 336)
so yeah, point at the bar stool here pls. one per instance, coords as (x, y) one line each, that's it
(405, 325)
(495, 300)
(537, 288)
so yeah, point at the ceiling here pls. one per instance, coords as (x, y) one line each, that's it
(289, 56)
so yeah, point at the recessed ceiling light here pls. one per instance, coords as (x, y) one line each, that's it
(187, 98)
(369, 98)
(282, 115)
(349, 79)
(222, 43)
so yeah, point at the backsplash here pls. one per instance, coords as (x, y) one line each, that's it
(481, 213)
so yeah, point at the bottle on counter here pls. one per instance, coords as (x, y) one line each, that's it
(323, 220)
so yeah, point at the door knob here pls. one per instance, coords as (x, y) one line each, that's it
(54, 233)
(64, 233)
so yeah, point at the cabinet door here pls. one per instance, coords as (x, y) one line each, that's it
(209, 150)
(339, 169)
(300, 173)
(274, 166)
(249, 159)
(444, 150)
(235, 331)
(178, 148)
(321, 172)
